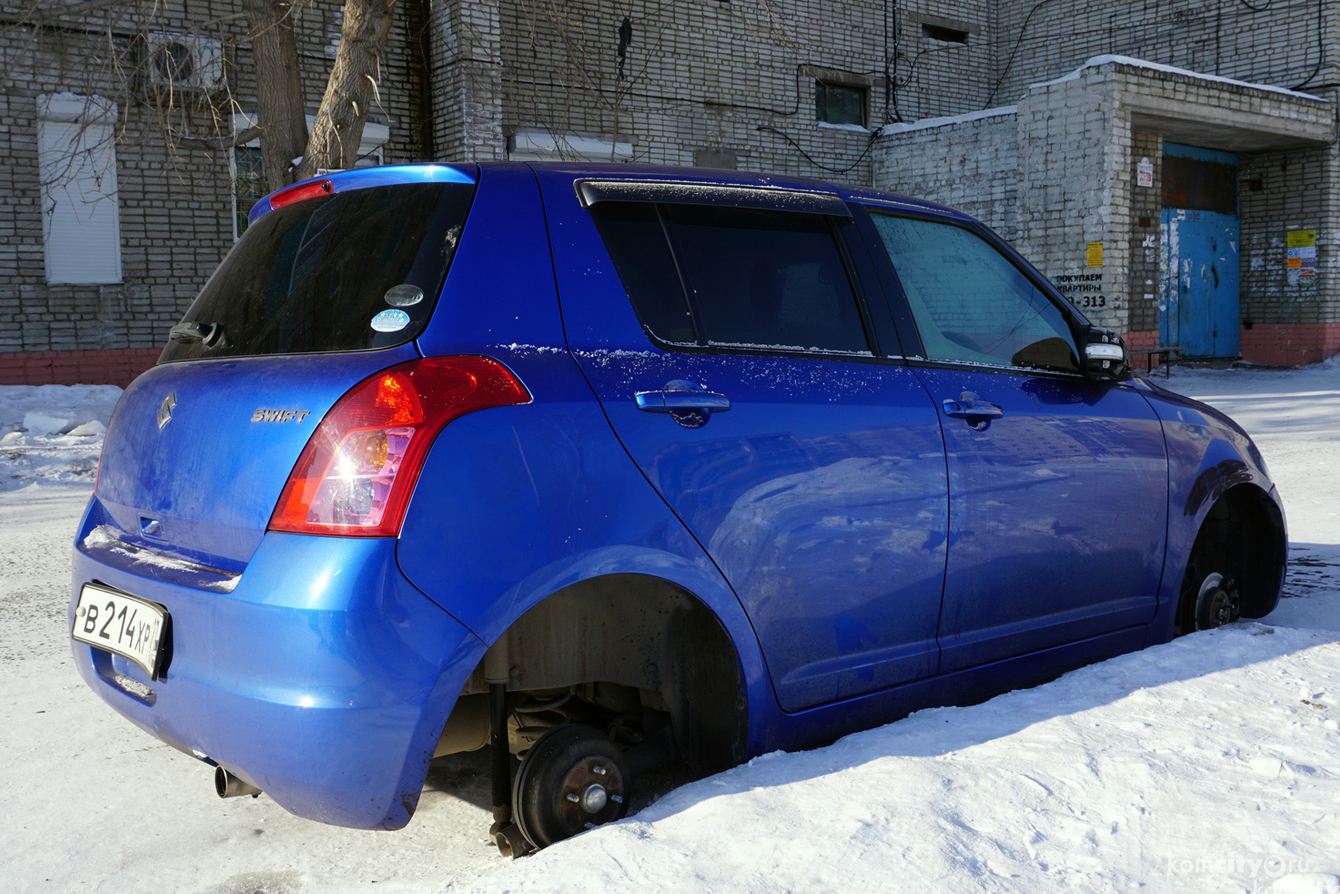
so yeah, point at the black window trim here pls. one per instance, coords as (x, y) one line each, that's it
(914, 348)
(687, 192)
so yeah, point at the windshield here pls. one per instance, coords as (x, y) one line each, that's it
(351, 271)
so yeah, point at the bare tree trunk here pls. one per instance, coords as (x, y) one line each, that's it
(279, 104)
(352, 87)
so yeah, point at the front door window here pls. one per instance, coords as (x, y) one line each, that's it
(970, 303)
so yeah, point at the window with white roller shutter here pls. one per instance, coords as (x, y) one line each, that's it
(81, 222)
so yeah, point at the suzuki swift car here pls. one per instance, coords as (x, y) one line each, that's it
(607, 467)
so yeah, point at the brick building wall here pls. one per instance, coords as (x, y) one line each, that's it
(174, 196)
(943, 58)
(1284, 322)
(725, 85)
(1074, 181)
(1142, 323)
(1276, 43)
(972, 165)
(466, 82)
(722, 84)
(174, 220)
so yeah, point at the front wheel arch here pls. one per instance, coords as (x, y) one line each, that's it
(1241, 541)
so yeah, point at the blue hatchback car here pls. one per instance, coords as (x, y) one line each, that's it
(607, 467)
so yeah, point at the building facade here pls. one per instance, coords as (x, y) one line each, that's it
(117, 199)
(1170, 164)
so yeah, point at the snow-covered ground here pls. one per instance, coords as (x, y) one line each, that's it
(1209, 764)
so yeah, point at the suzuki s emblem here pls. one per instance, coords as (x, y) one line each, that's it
(165, 411)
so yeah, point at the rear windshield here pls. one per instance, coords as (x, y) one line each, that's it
(347, 272)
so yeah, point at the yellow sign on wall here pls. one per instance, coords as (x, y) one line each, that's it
(1095, 254)
(1300, 260)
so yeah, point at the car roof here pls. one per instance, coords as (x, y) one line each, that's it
(363, 178)
(719, 177)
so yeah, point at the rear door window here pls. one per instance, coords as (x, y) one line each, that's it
(971, 304)
(734, 278)
(352, 271)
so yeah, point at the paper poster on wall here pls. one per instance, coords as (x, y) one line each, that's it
(1095, 254)
(1144, 173)
(1301, 258)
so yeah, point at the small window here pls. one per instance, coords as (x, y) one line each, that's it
(839, 103)
(733, 277)
(248, 182)
(947, 35)
(970, 303)
(76, 154)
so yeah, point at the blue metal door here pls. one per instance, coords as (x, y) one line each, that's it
(1198, 310)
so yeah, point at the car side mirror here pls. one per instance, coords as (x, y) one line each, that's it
(1105, 357)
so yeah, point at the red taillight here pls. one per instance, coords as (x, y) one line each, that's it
(301, 192)
(356, 473)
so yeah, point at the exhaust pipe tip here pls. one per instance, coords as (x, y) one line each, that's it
(226, 785)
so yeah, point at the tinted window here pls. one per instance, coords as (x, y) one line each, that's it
(632, 232)
(970, 302)
(774, 280)
(313, 276)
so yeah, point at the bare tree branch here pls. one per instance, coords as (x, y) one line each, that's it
(238, 139)
(352, 88)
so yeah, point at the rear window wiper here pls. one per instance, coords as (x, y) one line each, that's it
(207, 334)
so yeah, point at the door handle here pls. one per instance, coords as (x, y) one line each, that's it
(673, 398)
(975, 408)
(977, 412)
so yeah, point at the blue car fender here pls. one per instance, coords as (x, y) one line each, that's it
(513, 506)
(1208, 454)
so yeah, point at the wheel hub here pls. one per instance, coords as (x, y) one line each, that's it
(1217, 603)
(594, 798)
(572, 779)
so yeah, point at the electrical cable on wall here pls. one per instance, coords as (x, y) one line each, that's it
(820, 165)
(1023, 29)
(891, 111)
(1321, 44)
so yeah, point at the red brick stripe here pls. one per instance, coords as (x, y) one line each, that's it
(117, 367)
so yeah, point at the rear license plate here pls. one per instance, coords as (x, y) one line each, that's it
(122, 624)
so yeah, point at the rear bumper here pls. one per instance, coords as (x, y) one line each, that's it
(324, 677)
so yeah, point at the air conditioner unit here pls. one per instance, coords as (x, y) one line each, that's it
(181, 63)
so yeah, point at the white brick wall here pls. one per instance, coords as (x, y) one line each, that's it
(1060, 173)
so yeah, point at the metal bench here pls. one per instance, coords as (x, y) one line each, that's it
(1164, 353)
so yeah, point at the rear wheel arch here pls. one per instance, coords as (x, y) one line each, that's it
(626, 643)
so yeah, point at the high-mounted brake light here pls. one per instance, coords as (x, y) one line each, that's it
(356, 473)
(301, 193)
